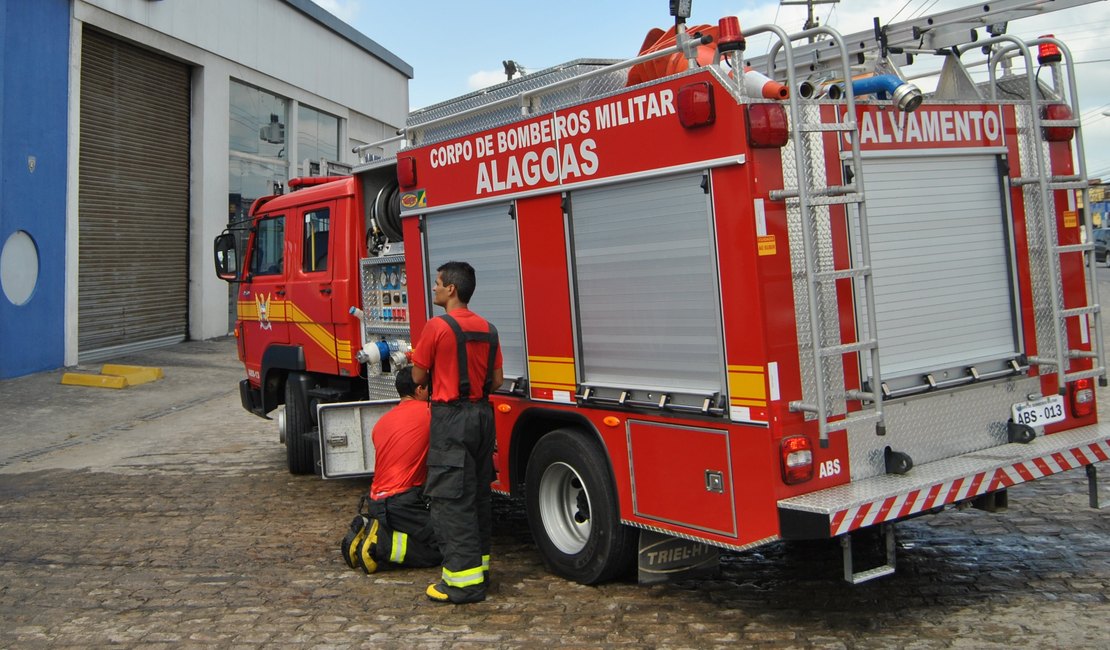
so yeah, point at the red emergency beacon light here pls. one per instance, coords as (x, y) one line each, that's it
(1048, 52)
(729, 38)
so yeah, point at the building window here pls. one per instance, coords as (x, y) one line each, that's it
(258, 165)
(317, 136)
(258, 151)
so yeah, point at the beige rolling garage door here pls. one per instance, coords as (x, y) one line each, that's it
(133, 199)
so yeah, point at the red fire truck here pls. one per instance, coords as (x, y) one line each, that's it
(792, 299)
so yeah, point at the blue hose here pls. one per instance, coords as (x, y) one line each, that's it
(906, 96)
(883, 84)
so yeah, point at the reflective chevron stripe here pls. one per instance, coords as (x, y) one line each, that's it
(940, 494)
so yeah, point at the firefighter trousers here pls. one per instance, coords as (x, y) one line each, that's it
(405, 534)
(460, 470)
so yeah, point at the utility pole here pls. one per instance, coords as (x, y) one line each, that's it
(811, 22)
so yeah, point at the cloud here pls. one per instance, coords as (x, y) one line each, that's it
(485, 79)
(345, 10)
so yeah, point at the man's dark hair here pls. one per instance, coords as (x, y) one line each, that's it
(406, 387)
(461, 275)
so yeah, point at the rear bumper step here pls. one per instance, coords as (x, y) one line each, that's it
(842, 509)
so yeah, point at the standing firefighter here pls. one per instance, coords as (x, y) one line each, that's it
(460, 352)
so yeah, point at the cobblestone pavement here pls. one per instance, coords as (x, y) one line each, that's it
(162, 516)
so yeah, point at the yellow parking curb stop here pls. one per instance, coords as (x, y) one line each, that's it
(114, 376)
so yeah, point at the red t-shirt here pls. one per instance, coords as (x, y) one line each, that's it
(401, 449)
(438, 353)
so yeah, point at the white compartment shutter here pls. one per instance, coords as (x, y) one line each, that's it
(941, 256)
(646, 285)
(485, 237)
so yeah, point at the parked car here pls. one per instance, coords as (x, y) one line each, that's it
(1102, 246)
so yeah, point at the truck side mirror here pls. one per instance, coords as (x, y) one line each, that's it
(226, 257)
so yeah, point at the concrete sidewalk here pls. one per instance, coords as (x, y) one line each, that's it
(100, 427)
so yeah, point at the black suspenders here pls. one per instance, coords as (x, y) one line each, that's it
(461, 339)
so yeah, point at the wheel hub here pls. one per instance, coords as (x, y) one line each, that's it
(565, 508)
(280, 419)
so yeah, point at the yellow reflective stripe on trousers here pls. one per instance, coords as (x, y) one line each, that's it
(464, 578)
(485, 563)
(399, 548)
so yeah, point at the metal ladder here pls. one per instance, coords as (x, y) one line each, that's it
(1059, 357)
(820, 276)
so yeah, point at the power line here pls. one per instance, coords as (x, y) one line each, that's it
(899, 12)
(1096, 111)
(923, 9)
(773, 22)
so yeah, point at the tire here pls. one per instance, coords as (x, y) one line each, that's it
(298, 423)
(573, 511)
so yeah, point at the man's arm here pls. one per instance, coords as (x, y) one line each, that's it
(498, 377)
(422, 352)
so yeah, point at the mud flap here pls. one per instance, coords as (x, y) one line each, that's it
(663, 558)
(1092, 487)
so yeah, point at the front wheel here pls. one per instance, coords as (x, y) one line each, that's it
(298, 424)
(573, 511)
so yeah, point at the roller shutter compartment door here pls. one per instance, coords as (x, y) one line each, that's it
(133, 199)
(941, 252)
(486, 238)
(647, 291)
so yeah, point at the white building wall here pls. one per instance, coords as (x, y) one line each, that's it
(275, 39)
(265, 43)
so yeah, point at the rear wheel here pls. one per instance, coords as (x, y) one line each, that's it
(298, 423)
(573, 511)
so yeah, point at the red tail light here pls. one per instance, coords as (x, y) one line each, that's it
(1082, 397)
(767, 126)
(695, 105)
(797, 459)
(406, 171)
(1057, 133)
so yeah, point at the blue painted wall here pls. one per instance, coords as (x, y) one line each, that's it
(34, 91)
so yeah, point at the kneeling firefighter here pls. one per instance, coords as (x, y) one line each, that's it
(394, 524)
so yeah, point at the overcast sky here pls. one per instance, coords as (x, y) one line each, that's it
(457, 46)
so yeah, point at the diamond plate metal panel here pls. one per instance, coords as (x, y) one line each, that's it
(815, 171)
(860, 492)
(346, 443)
(934, 427)
(1042, 263)
(514, 111)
